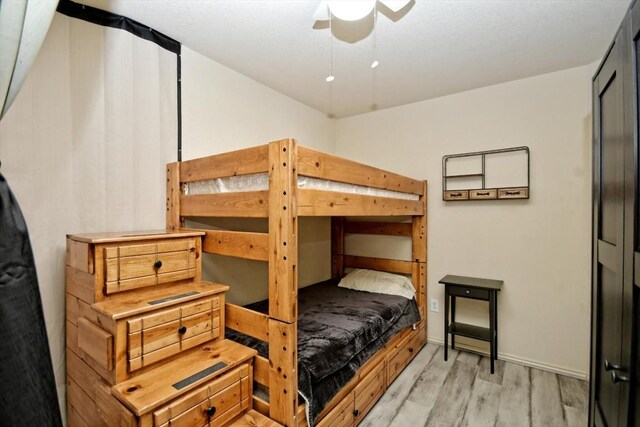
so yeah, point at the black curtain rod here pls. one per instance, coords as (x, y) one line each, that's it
(108, 19)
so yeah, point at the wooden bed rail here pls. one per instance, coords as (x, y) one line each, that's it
(380, 264)
(325, 166)
(239, 244)
(248, 322)
(379, 228)
(240, 162)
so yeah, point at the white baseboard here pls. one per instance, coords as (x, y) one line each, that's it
(519, 360)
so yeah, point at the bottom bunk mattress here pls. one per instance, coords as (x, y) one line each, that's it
(338, 331)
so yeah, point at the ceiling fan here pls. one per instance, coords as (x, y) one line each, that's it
(352, 10)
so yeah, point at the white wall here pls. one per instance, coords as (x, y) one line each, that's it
(223, 110)
(83, 148)
(539, 247)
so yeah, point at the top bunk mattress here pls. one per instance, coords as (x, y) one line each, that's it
(338, 331)
(260, 182)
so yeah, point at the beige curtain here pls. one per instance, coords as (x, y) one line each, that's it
(84, 147)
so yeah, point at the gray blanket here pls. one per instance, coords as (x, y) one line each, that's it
(338, 331)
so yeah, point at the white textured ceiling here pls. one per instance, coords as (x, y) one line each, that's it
(429, 49)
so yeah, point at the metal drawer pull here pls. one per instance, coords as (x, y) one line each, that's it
(157, 264)
(512, 193)
(467, 291)
(356, 412)
(455, 194)
(483, 194)
(619, 378)
(608, 366)
(182, 330)
(410, 349)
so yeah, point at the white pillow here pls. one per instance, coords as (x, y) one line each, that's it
(378, 282)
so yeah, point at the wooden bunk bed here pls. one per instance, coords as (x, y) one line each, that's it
(285, 163)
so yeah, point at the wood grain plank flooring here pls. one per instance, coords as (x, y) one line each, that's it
(546, 402)
(462, 392)
(389, 404)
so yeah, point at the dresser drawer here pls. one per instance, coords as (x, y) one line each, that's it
(456, 195)
(462, 291)
(136, 265)
(483, 194)
(513, 193)
(159, 335)
(215, 403)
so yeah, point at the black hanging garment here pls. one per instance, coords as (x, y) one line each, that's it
(27, 385)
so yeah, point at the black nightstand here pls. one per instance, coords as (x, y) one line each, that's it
(473, 288)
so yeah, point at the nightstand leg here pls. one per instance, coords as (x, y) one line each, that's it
(495, 316)
(446, 323)
(492, 328)
(453, 319)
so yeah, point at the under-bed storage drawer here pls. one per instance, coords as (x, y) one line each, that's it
(406, 351)
(341, 415)
(369, 391)
(167, 332)
(136, 265)
(213, 404)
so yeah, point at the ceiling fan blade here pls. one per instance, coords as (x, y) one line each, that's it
(395, 5)
(322, 12)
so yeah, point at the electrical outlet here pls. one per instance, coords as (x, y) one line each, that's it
(435, 305)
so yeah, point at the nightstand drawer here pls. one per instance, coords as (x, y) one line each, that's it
(483, 194)
(456, 195)
(134, 265)
(469, 292)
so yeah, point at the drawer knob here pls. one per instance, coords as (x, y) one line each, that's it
(410, 349)
(468, 291)
(356, 412)
(157, 264)
(183, 330)
(211, 411)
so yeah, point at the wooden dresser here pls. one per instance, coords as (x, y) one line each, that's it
(145, 336)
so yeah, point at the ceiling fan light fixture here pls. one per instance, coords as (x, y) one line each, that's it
(351, 10)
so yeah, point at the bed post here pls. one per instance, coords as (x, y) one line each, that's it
(173, 197)
(283, 283)
(419, 255)
(337, 247)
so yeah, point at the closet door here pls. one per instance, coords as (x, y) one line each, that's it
(609, 393)
(632, 220)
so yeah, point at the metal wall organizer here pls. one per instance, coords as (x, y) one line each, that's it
(482, 192)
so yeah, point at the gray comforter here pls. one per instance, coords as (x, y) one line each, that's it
(338, 330)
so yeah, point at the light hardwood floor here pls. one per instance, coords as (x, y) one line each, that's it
(462, 392)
